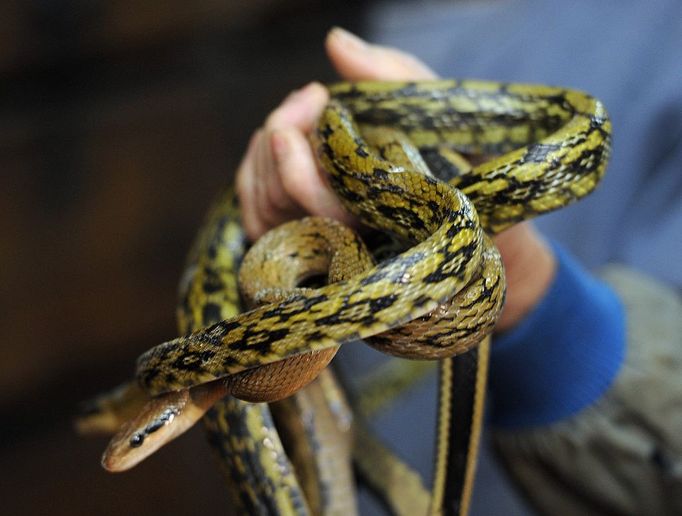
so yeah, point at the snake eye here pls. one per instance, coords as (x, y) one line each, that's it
(136, 440)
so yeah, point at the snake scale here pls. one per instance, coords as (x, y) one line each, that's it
(549, 147)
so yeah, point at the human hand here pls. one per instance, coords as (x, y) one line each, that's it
(278, 178)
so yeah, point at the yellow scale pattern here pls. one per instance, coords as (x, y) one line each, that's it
(551, 144)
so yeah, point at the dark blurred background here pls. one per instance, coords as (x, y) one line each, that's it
(119, 120)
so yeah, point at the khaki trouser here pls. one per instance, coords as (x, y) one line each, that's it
(623, 454)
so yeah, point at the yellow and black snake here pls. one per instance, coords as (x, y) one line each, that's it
(551, 147)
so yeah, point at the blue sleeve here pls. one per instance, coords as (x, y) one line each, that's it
(563, 356)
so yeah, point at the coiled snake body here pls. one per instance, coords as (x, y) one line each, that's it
(552, 146)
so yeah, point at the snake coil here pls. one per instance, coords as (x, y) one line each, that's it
(393, 153)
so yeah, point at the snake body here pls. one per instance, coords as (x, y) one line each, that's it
(566, 142)
(551, 144)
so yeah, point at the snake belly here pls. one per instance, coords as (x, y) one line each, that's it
(551, 144)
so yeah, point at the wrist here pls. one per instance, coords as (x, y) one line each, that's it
(563, 356)
(530, 267)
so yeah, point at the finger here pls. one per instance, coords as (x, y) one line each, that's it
(300, 177)
(300, 109)
(287, 182)
(355, 59)
(245, 183)
(264, 201)
(273, 203)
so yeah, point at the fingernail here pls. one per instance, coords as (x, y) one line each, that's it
(348, 38)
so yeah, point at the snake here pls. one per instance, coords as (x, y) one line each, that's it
(393, 153)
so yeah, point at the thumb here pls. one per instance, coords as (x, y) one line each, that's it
(355, 59)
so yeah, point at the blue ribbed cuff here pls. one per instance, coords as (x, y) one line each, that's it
(563, 356)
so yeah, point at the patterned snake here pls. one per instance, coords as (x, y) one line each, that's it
(392, 154)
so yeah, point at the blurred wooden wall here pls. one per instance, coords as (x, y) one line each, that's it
(118, 122)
